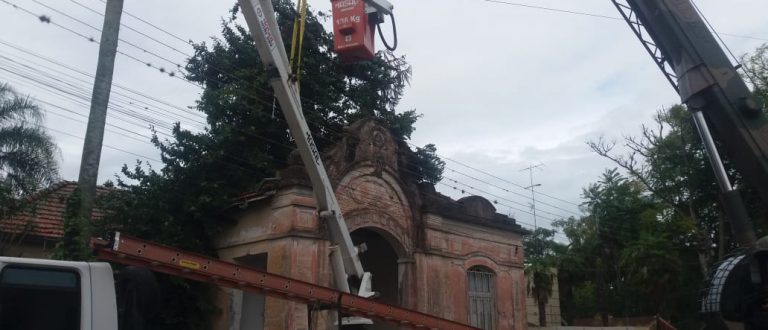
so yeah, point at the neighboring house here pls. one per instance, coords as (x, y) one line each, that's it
(455, 259)
(554, 317)
(34, 231)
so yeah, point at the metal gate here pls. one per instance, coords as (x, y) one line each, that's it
(482, 305)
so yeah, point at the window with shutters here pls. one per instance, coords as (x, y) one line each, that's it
(481, 283)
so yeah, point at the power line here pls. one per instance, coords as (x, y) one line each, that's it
(504, 180)
(123, 54)
(290, 147)
(154, 26)
(99, 30)
(105, 145)
(78, 96)
(196, 115)
(133, 29)
(84, 89)
(257, 99)
(511, 192)
(588, 14)
(557, 10)
(224, 72)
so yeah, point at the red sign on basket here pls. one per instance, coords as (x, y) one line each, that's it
(353, 37)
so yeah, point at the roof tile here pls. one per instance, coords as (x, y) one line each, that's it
(45, 216)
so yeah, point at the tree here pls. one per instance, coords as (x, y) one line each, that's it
(429, 164)
(671, 163)
(184, 203)
(613, 264)
(755, 68)
(539, 268)
(27, 152)
(27, 157)
(684, 226)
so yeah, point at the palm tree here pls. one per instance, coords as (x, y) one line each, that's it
(27, 152)
(540, 281)
(540, 254)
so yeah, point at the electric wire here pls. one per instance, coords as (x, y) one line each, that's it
(511, 207)
(75, 19)
(566, 11)
(153, 26)
(519, 186)
(291, 148)
(261, 101)
(104, 144)
(529, 6)
(84, 89)
(78, 98)
(83, 96)
(197, 116)
(134, 30)
(190, 82)
(725, 45)
(352, 188)
(602, 16)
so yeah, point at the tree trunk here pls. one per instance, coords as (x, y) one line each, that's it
(704, 242)
(602, 295)
(542, 314)
(721, 236)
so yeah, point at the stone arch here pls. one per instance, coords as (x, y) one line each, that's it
(382, 260)
(389, 228)
(371, 198)
(481, 260)
(367, 173)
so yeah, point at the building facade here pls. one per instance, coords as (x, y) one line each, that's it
(457, 259)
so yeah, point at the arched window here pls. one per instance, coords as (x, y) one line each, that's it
(481, 284)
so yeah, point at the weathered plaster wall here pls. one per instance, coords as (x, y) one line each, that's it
(433, 251)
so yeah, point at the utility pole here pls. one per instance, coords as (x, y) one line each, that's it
(102, 85)
(533, 191)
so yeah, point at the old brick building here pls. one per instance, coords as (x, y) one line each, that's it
(457, 259)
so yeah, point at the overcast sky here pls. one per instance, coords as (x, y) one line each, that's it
(500, 87)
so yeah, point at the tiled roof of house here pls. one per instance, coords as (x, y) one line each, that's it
(43, 214)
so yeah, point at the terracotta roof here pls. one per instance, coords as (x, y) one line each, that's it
(43, 215)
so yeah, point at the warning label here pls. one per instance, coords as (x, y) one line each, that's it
(189, 264)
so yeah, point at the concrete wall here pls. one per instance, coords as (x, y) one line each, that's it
(31, 249)
(554, 316)
(452, 249)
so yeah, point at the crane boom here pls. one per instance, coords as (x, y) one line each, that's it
(260, 17)
(682, 46)
(691, 59)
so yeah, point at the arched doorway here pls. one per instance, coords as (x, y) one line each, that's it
(380, 259)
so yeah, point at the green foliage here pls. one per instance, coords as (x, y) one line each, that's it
(584, 298)
(73, 245)
(622, 260)
(27, 152)
(540, 262)
(429, 164)
(654, 233)
(540, 245)
(27, 158)
(755, 67)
